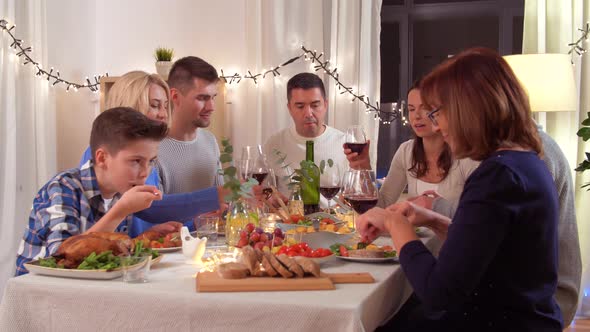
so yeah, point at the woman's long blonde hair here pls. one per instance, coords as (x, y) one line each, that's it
(133, 89)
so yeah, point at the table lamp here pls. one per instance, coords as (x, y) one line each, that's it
(548, 80)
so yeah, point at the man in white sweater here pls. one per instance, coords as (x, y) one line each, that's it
(188, 159)
(307, 104)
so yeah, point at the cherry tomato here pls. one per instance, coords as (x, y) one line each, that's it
(282, 250)
(294, 218)
(327, 221)
(343, 251)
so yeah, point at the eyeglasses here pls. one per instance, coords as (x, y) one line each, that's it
(433, 115)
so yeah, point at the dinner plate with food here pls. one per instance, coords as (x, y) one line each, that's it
(365, 253)
(94, 255)
(170, 242)
(319, 221)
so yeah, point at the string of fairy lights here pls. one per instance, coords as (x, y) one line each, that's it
(317, 59)
(52, 75)
(318, 62)
(578, 46)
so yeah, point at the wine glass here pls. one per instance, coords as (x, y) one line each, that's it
(242, 169)
(259, 170)
(284, 176)
(330, 183)
(258, 166)
(355, 140)
(360, 190)
(251, 151)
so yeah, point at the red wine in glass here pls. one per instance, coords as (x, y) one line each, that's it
(356, 147)
(329, 191)
(362, 204)
(259, 177)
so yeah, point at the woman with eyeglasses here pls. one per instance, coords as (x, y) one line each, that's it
(434, 179)
(497, 268)
(150, 95)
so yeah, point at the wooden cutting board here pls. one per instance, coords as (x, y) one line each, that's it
(212, 282)
(350, 278)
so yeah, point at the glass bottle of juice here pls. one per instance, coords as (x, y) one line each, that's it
(239, 214)
(295, 201)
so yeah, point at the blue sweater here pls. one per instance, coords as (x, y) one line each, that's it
(173, 207)
(497, 270)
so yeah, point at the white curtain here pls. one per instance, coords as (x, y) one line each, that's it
(549, 26)
(27, 127)
(348, 34)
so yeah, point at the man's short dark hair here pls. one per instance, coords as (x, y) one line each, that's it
(185, 70)
(115, 128)
(305, 81)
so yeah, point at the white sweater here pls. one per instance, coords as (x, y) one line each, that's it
(326, 146)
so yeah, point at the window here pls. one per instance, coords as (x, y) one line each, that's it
(416, 35)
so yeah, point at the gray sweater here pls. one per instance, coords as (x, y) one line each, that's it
(570, 262)
(186, 166)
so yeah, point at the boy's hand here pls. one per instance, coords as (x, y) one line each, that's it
(358, 161)
(167, 227)
(138, 198)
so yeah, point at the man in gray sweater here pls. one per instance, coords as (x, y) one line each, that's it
(570, 262)
(188, 159)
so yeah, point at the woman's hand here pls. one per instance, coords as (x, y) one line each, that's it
(358, 161)
(376, 220)
(371, 223)
(419, 216)
(426, 199)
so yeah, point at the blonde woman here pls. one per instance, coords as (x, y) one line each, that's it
(149, 94)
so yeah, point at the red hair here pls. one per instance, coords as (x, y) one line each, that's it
(485, 104)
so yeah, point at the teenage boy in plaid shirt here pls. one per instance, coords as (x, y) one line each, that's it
(102, 194)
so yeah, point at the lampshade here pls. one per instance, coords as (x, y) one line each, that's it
(548, 80)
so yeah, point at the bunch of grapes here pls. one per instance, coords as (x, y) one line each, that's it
(257, 238)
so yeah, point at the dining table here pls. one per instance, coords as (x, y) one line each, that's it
(170, 301)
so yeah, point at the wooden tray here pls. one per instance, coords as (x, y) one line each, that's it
(212, 282)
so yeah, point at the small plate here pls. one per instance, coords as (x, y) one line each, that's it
(325, 239)
(167, 250)
(35, 268)
(322, 260)
(370, 260)
(321, 215)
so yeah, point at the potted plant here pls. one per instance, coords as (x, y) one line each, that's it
(164, 61)
(584, 133)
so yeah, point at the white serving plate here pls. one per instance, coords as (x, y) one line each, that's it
(370, 260)
(35, 268)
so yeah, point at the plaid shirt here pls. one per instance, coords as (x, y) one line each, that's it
(67, 205)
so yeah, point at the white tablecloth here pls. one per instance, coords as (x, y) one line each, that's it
(169, 302)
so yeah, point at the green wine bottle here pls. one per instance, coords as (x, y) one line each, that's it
(310, 181)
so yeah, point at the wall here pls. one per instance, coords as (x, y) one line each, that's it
(87, 38)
